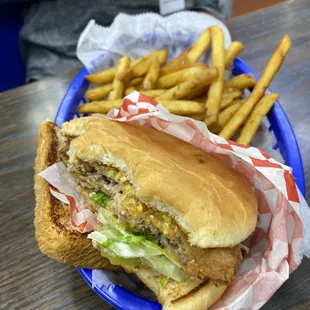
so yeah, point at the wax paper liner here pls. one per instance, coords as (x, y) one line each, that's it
(100, 47)
(64, 188)
(275, 244)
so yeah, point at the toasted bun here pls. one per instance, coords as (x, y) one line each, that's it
(209, 200)
(53, 229)
(191, 294)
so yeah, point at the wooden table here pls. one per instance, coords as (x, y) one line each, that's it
(30, 280)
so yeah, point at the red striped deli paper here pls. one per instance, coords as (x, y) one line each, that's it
(64, 187)
(275, 245)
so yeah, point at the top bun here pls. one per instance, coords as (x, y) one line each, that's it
(209, 200)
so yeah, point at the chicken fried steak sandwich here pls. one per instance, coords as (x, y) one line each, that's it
(166, 210)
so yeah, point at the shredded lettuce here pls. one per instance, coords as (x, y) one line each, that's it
(125, 248)
(100, 198)
(118, 260)
(165, 266)
(164, 281)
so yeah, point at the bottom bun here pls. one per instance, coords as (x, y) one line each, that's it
(53, 229)
(191, 294)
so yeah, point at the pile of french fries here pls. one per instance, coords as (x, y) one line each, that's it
(186, 87)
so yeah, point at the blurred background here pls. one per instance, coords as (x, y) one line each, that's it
(38, 38)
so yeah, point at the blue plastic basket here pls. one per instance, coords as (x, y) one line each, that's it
(285, 142)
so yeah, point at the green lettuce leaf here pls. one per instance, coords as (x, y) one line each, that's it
(164, 281)
(107, 218)
(100, 198)
(125, 248)
(117, 260)
(166, 267)
(99, 239)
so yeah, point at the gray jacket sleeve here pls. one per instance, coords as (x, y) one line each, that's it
(52, 27)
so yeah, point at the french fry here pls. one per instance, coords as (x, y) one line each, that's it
(226, 102)
(105, 76)
(138, 70)
(225, 115)
(213, 103)
(186, 88)
(180, 90)
(153, 93)
(232, 52)
(241, 81)
(167, 70)
(142, 66)
(259, 112)
(199, 92)
(152, 75)
(103, 106)
(135, 81)
(182, 107)
(198, 117)
(232, 93)
(229, 95)
(117, 85)
(199, 47)
(99, 92)
(201, 99)
(132, 63)
(161, 55)
(172, 79)
(139, 87)
(269, 72)
(180, 60)
(193, 53)
(129, 90)
(228, 113)
(102, 77)
(179, 107)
